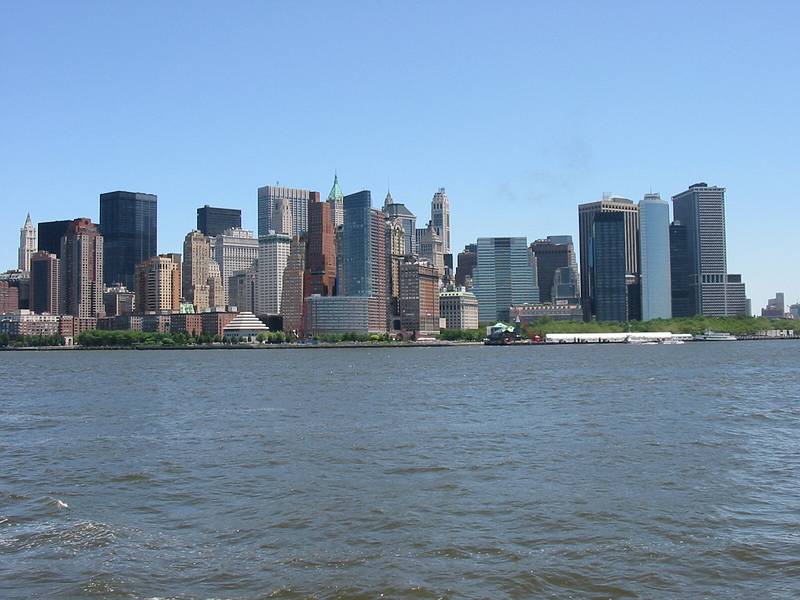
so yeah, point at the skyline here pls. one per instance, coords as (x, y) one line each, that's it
(201, 123)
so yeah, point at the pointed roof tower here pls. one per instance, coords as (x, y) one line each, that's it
(388, 199)
(28, 222)
(336, 191)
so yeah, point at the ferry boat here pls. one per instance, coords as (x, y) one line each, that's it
(715, 336)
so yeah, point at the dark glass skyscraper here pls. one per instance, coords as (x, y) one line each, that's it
(128, 222)
(553, 253)
(363, 252)
(610, 296)
(50, 234)
(212, 221)
(682, 302)
(356, 245)
(586, 216)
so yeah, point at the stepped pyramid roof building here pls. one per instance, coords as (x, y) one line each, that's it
(244, 327)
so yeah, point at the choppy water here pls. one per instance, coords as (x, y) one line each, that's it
(559, 472)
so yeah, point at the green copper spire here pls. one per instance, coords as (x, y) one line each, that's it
(336, 191)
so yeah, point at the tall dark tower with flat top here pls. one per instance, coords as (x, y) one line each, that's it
(128, 222)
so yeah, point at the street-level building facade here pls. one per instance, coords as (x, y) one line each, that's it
(459, 309)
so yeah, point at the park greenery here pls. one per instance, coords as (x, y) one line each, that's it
(130, 339)
(461, 335)
(693, 325)
(740, 326)
(337, 338)
(30, 341)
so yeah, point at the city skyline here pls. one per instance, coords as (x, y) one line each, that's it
(513, 164)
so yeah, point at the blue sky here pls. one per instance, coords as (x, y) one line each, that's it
(521, 110)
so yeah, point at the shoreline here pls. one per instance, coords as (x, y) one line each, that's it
(347, 345)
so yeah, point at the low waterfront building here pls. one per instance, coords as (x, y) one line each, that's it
(70, 326)
(244, 327)
(459, 309)
(187, 323)
(121, 323)
(24, 322)
(560, 310)
(153, 323)
(338, 314)
(214, 322)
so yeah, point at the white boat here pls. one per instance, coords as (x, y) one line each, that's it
(715, 336)
(671, 341)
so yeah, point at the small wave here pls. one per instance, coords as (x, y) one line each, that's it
(415, 470)
(83, 535)
(131, 477)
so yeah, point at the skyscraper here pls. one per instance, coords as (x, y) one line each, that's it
(654, 247)
(586, 215)
(712, 290)
(608, 268)
(682, 304)
(419, 297)
(336, 201)
(212, 221)
(395, 256)
(273, 254)
(45, 283)
(431, 247)
(407, 220)
(27, 244)
(234, 250)
(158, 285)
(81, 270)
(320, 276)
(292, 294)
(551, 254)
(467, 259)
(503, 276)
(281, 219)
(197, 273)
(440, 217)
(356, 237)
(129, 224)
(297, 200)
(364, 255)
(50, 234)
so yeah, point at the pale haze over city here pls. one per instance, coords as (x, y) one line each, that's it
(521, 111)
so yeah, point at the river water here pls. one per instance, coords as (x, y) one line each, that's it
(472, 472)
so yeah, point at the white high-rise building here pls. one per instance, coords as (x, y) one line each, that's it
(281, 219)
(273, 254)
(235, 250)
(298, 204)
(440, 217)
(27, 244)
(654, 248)
(431, 247)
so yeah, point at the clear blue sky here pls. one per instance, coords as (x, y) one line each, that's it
(521, 110)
